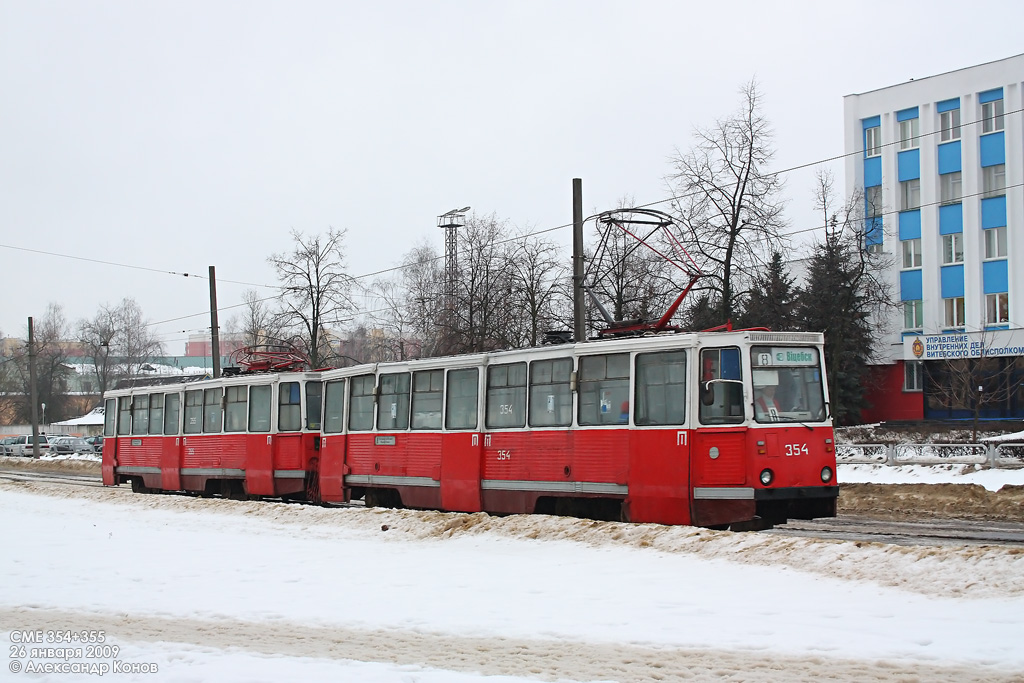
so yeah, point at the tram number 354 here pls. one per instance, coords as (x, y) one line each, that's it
(504, 455)
(796, 449)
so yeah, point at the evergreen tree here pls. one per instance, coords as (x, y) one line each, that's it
(772, 300)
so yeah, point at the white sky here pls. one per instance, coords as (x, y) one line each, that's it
(175, 136)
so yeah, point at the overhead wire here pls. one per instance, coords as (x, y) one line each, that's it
(523, 236)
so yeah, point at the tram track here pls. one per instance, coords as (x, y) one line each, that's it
(931, 532)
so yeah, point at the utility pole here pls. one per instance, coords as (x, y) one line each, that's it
(214, 328)
(451, 221)
(33, 394)
(579, 328)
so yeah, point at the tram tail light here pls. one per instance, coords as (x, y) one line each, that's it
(767, 476)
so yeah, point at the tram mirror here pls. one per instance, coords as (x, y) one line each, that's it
(707, 393)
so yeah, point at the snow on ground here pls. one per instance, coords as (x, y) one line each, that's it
(991, 479)
(205, 587)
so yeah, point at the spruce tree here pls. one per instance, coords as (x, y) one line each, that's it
(772, 300)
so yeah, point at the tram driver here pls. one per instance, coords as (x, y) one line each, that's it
(766, 405)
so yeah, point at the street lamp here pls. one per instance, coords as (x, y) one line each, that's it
(43, 421)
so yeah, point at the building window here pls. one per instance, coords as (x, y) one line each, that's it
(953, 248)
(913, 315)
(951, 187)
(873, 201)
(992, 116)
(913, 375)
(909, 133)
(993, 180)
(910, 194)
(873, 141)
(995, 243)
(949, 125)
(954, 312)
(997, 308)
(912, 253)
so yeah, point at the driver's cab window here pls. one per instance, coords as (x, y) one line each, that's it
(721, 386)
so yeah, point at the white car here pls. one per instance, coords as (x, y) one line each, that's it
(22, 445)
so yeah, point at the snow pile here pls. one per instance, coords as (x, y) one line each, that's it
(475, 593)
(991, 479)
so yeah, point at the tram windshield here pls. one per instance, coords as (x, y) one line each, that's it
(787, 384)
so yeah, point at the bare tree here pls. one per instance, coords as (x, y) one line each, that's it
(971, 385)
(119, 342)
(316, 290)
(535, 273)
(50, 334)
(257, 323)
(729, 202)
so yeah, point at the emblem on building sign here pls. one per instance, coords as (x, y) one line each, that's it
(918, 348)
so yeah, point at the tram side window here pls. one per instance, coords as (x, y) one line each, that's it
(427, 389)
(140, 414)
(212, 410)
(506, 395)
(360, 411)
(604, 389)
(721, 386)
(313, 404)
(660, 388)
(462, 400)
(124, 415)
(393, 410)
(156, 413)
(172, 409)
(194, 411)
(289, 415)
(550, 393)
(109, 416)
(236, 401)
(260, 406)
(334, 407)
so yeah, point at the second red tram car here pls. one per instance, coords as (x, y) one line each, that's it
(712, 429)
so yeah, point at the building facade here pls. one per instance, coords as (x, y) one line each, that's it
(939, 165)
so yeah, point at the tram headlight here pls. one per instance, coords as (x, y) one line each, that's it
(826, 474)
(767, 476)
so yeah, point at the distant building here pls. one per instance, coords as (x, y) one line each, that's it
(199, 345)
(939, 162)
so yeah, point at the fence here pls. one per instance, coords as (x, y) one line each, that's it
(1004, 455)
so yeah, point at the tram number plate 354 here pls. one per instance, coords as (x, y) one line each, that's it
(796, 449)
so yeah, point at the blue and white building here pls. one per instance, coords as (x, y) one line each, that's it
(939, 165)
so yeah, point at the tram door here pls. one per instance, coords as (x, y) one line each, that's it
(463, 442)
(333, 444)
(259, 466)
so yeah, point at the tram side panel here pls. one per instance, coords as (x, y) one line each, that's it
(259, 465)
(333, 468)
(461, 471)
(659, 467)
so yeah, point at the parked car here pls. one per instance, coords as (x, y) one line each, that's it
(96, 442)
(7, 445)
(22, 445)
(67, 445)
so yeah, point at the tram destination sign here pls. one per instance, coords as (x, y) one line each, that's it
(764, 356)
(952, 345)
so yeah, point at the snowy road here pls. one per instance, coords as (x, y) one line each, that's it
(253, 587)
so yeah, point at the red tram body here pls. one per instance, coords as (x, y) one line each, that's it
(711, 429)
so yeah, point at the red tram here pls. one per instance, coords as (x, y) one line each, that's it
(711, 429)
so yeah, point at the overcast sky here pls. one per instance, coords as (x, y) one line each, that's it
(178, 135)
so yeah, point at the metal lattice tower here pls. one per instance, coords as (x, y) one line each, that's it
(451, 222)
